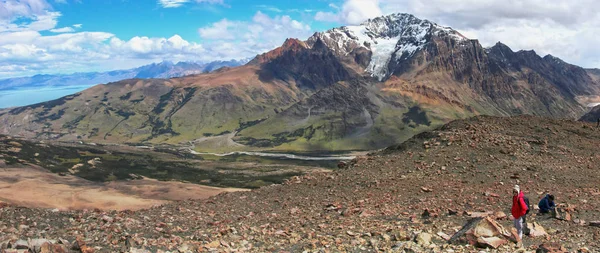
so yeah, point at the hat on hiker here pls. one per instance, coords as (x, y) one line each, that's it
(517, 188)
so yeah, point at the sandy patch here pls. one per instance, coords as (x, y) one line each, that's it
(35, 187)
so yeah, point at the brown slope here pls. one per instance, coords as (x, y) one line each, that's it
(136, 110)
(378, 203)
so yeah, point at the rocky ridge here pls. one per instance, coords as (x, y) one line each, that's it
(412, 197)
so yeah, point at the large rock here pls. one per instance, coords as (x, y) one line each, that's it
(81, 245)
(562, 213)
(481, 232)
(551, 248)
(536, 230)
(491, 242)
(423, 239)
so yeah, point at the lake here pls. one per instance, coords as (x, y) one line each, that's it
(27, 96)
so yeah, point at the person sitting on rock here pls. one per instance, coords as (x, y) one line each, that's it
(518, 210)
(547, 205)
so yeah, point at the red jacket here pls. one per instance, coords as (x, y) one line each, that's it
(519, 208)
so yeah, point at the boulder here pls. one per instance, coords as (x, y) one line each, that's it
(20, 244)
(500, 215)
(80, 245)
(423, 239)
(551, 248)
(36, 244)
(536, 230)
(481, 232)
(491, 242)
(48, 247)
(562, 214)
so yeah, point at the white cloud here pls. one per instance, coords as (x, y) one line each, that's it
(63, 30)
(327, 16)
(219, 30)
(269, 8)
(179, 3)
(240, 39)
(25, 51)
(36, 22)
(10, 9)
(28, 53)
(352, 12)
(172, 3)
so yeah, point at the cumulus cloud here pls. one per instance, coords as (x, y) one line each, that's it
(27, 49)
(219, 30)
(24, 50)
(242, 39)
(567, 29)
(10, 9)
(352, 12)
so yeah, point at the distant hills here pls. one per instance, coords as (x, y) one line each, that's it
(353, 87)
(164, 69)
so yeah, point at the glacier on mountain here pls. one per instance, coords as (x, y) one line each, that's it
(394, 37)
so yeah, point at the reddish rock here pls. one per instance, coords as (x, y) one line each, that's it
(52, 248)
(551, 248)
(491, 242)
(500, 215)
(536, 230)
(481, 232)
(81, 245)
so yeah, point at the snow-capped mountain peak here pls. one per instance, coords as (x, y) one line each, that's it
(393, 37)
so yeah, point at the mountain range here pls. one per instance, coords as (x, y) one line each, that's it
(163, 69)
(348, 88)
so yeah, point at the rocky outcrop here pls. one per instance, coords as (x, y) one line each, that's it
(482, 232)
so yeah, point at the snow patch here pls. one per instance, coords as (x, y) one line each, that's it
(399, 35)
(382, 50)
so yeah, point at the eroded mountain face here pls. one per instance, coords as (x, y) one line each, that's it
(593, 115)
(354, 87)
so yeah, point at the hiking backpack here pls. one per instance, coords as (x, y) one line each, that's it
(526, 199)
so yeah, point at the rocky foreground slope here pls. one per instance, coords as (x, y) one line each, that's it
(408, 198)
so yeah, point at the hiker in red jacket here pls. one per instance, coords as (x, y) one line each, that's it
(519, 208)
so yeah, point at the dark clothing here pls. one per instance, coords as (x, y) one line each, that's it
(598, 125)
(546, 205)
(526, 230)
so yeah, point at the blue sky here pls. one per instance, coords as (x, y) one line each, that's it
(127, 19)
(66, 36)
